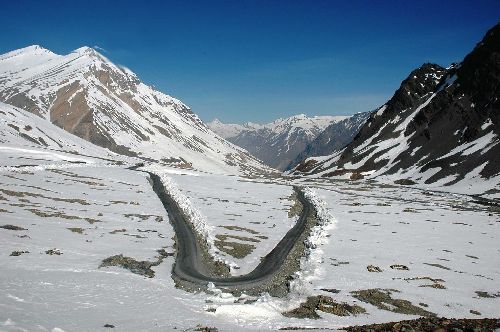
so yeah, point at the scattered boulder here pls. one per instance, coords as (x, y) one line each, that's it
(373, 268)
(53, 252)
(206, 329)
(356, 176)
(18, 253)
(399, 267)
(331, 290)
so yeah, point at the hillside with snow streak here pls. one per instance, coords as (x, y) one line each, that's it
(27, 141)
(89, 96)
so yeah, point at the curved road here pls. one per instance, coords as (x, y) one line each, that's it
(189, 265)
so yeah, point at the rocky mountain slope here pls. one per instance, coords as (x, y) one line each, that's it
(441, 128)
(90, 97)
(276, 143)
(333, 138)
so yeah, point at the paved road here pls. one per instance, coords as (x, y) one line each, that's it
(189, 265)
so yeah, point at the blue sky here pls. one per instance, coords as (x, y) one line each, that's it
(259, 60)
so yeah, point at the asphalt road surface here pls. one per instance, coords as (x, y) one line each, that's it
(189, 265)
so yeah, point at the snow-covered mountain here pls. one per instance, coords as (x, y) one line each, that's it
(276, 143)
(440, 129)
(89, 96)
(333, 138)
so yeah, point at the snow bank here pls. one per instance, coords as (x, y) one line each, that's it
(198, 221)
(311, 264)
(266, 310)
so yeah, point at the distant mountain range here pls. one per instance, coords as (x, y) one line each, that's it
(90, 97)
(441, 128)
(336, 136)
(277, 143)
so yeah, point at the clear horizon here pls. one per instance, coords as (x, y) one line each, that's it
(255, 61)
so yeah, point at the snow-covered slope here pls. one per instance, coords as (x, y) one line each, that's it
(28, 140)
(89, 96)
(440, 129)
(335, 137)
(276, 143)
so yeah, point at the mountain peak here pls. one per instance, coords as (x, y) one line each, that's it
(91, 53)
(28, 50)
(32, 48)
(85, 50)
(90, 97)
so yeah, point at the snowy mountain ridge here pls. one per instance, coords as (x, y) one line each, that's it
(278, 142)
(301, 121)
(335, 137)
(87, 95)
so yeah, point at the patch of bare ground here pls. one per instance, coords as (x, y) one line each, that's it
(22, 194)
(435, 282)
(13, 228)
(224, 237)
(239, 228)
(118, 231)
(72, 174)
(382, 299)
(236, 249)
(325, 304)
(60, 214)
(487, 295)
(438, 266)
(76, 230)
(143, 217)
(142, 268)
